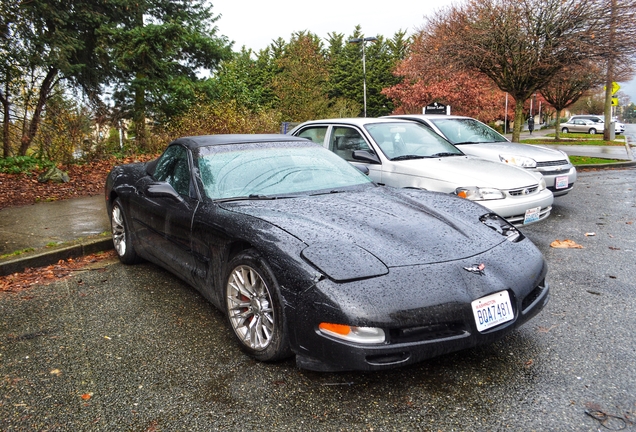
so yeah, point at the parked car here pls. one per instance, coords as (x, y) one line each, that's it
(619, 127)
(477, 139)
(305, 256)
(402, 153)
(582, 126)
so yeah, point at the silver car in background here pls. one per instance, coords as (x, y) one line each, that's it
(404, 154)
(477, 139)
(581, 125)
(619, 127)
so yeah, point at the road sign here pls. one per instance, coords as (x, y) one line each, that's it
(614, 101)
(436, 108)
(615, 87)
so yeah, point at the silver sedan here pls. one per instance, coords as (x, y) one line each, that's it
(477, 139)
(581, 125)
(402, 153)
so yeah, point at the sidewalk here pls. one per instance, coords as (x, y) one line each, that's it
(70, 228)
(55, 230)
(621, 152)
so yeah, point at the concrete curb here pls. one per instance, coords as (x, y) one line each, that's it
(626, 164)
(47, 257)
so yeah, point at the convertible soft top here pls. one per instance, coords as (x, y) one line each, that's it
(208, 140)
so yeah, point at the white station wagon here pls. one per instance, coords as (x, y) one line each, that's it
(402, 153)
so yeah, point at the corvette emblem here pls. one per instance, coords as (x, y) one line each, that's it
(476, 268)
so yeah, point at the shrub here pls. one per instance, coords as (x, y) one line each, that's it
(23, 164)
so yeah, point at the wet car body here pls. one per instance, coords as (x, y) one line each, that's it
(425, 160)
(478, 139)
(407, 262)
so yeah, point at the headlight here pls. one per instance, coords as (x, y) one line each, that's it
(542, 185)
(520, 161)
(502, 226)
(475, 193)
(365, 335)
(567, 158)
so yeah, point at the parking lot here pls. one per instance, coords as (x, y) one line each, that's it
(133, 348)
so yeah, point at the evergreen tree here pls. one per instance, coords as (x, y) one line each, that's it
(158, 51)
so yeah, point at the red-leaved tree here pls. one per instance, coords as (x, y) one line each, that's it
(426, 79)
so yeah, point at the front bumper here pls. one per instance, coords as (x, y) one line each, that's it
(513, 208)
(424, 310)
(551, 174)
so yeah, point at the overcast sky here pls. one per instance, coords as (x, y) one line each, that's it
(255, 24)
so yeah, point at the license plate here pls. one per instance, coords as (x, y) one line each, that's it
(532, 215)
(561, 182)
(492, 310)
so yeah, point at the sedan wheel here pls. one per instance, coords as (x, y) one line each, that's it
(592, 131)
(564, 130)
(253, 308)
(121, 235)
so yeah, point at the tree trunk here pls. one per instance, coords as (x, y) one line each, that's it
(139, 108)
(516, 130)
(557, 127)
(6, 119)
(139, 113)
(45, 90)
(609, 78)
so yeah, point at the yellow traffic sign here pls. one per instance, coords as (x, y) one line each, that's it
(614, 101)
(615, 88)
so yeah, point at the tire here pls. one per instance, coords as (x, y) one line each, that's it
(121, 234)
(253, 308)
(564, 130)
(592, 131)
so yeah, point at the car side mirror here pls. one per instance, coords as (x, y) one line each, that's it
(363, 168)
(162, 190)
(365, 156)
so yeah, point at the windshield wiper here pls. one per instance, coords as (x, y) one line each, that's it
(255, 197)
(333, 191)
(405, 157)
(446, 154)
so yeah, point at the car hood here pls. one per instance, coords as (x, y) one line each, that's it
(493, 150)
(360, 234)
(461, 171)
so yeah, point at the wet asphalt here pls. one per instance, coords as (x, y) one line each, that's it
(131, 348)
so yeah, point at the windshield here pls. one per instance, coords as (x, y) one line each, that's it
(272, 169)
(467, 131)
(410, 141)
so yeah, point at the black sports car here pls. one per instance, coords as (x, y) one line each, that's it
(307, 257)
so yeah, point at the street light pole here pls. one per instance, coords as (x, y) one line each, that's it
(364, 41)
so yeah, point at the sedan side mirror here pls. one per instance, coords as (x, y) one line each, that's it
(363, 168)
(162, 190)
(365, 156)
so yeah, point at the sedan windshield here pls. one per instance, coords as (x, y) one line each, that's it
(401, 141)
(467, 131)
(273, 169)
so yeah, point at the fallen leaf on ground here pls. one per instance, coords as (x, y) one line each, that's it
(565, 244)
(46, 275)
(86, 396)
